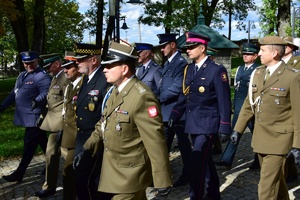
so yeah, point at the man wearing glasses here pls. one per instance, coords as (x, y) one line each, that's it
(29, 96)
(88, 113)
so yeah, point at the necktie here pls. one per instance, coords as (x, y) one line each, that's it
(267, 75)
(196, 69)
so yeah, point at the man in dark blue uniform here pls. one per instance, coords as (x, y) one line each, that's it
(29, 95)
(241, 83)
(88, 113)
(170, 88)
(205, 100)
(149, 71)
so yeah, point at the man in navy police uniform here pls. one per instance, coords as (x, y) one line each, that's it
(29, 96)
(205, 101)
(148, 71)
(241, 83)
(170, 88)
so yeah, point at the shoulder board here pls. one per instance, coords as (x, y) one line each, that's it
(292, 69)
(140, 88)
(261, 67)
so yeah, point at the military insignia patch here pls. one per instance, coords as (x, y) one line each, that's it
(93, 92)
(224, 77)
(152, 111)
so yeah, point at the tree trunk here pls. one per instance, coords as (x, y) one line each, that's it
(283, 17)
(99, 24)
(38, 43)
(20, 30)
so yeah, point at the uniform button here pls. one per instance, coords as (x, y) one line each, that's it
(261, 102)
(262, 93)
(85, 108)
(78, 129)
(259, 120)
(66, 124)
(189, 110)
(80, 118)
(106, 149)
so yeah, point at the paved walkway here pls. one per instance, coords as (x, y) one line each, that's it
(237, 183)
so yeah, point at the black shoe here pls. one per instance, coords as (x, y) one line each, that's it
(181, 182)
(223, 163)
(14, 177)
(41, 172)
(254, 165)
(44, 193)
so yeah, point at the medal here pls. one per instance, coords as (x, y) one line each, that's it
(91, 105)
(201, 89)
(95, 98)
(118, 127)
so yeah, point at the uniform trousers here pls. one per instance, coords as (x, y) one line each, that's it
(184, 145)
(53, 154)
(204, 173)
(88, 172)
(272, 184)
(230, 150)
(69, 192)
(32, 138)
(140, 195)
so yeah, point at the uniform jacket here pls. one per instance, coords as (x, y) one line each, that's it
(53, 119)
(135, 151)
(205, 100)
(69, 121)
(277, 125)
(242, 79)
(171, 84)
(33, 86)
(294, 62)
(151, 76)
(90, 97)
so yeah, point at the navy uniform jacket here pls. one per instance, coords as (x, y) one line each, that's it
(151, 76)
(242, 80)
(171, 84)
(90, 97)
(205, 100)
(33, 86)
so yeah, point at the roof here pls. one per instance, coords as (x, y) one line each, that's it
(217, 41)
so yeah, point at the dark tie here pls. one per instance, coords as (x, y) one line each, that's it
(196, 69)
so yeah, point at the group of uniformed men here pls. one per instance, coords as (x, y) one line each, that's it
(115, 123)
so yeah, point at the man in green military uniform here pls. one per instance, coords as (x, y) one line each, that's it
(289, 58)
(52, 121)
(69, 125)
(273, 99)
(131, 131)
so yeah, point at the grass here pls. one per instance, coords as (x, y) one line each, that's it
(11, 136)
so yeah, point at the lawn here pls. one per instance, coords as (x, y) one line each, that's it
(11, 136)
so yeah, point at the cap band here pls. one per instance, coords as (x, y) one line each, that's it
(198, 40)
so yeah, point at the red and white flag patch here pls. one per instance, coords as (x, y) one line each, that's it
(152, 111)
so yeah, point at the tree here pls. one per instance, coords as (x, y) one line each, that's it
(275, 17)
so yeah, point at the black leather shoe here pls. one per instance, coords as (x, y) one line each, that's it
(181, 182)
(14, 177)
(44, 193)
(41, 172)
(223, 163)
(254, 165)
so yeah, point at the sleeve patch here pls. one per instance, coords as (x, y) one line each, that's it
(152, 111)
(224, 77)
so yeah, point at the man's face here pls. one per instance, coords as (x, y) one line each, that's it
(30, 66)
(144, 56)
(249, 58)
(266, 54)
(84, 65)
(114, 73)
(288, 49)
(54, 68)
(71, 72)
(167, 49)
(195, 51)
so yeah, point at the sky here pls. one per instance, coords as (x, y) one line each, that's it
(147, 34)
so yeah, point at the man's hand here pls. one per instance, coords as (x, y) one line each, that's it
(33, 104)
(39, 122)
(235, 137)
(59, 137)
(162, 192)
(78, 158)
(224, 137)
(170, 123)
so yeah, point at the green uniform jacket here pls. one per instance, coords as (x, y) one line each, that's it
(294, 62)
(55, 97)
(135, 151)
(69, 121)
(277, 113)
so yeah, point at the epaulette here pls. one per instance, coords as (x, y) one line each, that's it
(292, 69)
(261, 67)
(155, 64)
(140, 88)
